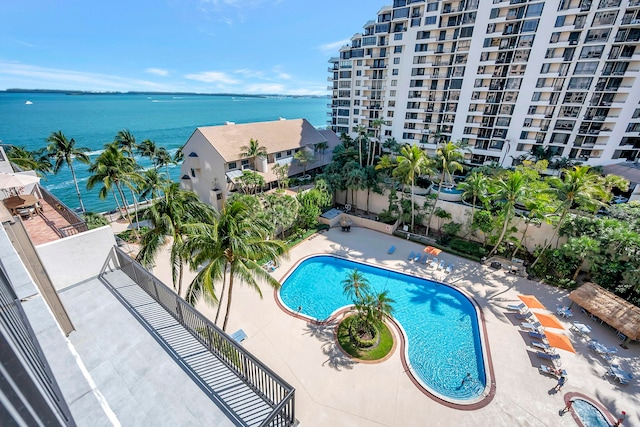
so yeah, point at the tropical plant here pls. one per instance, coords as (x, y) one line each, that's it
(474, 186)
(169, 216)
(64, 152)
(321, 147)
(282, 209)
(147, 148)
(151, 184)
(282, 174)
(509, 190)
(304, 157)
(253, 150)
(448, 158)
(581, 248)
(375, 124)
(114, 170)
(94, 220)
(355, 285)
(250, 182)
(311, 203)
(126, 141)
(578, 185)
(355, 180)
(235, 241)
(36, 160)
(162, 158)
(392, 145)
(361, 130)
(412, 162)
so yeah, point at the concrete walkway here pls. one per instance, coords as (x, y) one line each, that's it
(333, 390)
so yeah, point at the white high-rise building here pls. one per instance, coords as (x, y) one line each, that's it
(504, 77)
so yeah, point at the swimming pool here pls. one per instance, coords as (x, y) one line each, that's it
(439, 322)
(589, 414)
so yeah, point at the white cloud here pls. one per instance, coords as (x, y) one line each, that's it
(250, 74)
(212, 77)
(54, 78)
(281, 74)
(333, 47)
(157, 71)
(269, 88)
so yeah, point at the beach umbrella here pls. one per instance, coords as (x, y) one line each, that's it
(531, 301)
(549, 320)
(14, 180)
(559, 341)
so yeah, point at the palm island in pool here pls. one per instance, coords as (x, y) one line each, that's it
(444, 349)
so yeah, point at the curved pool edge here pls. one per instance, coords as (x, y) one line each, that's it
(465, 405)
(573, 395)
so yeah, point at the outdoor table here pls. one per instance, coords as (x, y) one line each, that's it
(581, 328)
(564, 311)
(25, 201)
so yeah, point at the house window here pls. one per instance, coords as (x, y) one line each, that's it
(244, 163)
(288, 152)
(232, 165)
(219, 196)
(193, 173)
(278, 155)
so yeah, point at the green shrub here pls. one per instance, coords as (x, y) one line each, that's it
(466, 247)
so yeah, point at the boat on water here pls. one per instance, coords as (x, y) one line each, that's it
(28, 103)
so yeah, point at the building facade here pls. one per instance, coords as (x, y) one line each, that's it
(506, 78)
(213, 155)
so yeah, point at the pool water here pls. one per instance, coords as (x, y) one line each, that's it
(440, 323)
(589, 414)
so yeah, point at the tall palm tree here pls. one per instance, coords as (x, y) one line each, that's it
(375, 143)
(474, 186)
(235, 241)
(147, 148)
(64, 151)
(577, 185)
(321, 147)
(581, 248)
(113, 170)
(152, 184)
(253, 150)
(163, 158)
(168, 217)
(355, 286)
(304, 157)
(510, 189)
(412, 162)
(126, 141)
(36, 160)
(361, 130)
(382, 306)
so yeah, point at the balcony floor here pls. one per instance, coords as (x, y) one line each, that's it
(43, 228)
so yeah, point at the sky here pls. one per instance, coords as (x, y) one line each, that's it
(204, 46)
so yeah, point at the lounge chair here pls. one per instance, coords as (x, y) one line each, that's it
(524, 316)
(546, 369)
(411, 256)
(555, 358)
(424, 259)
(441, 265)
(542, 346)
(449, 268)
(537, 335)
(520, 307)
(391, 250)
(239, 336)
(417, 257)
(534, 326)
(434, 263)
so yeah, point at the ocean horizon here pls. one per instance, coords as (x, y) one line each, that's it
(94, 119)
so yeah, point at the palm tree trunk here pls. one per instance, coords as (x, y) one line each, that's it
(124, 203)
(502, 234)
(433, 209)
(575, 275)
(229, 293)
(412, 207)
(555, 230)
(135, 209)
(473, 212)
(75, 182)
(224, 284)
(360, 150)
(180, 274)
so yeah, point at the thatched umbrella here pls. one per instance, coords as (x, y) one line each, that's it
(613, 310)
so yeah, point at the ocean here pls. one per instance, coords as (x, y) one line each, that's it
(169, 120)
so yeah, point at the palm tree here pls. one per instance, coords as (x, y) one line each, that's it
(412, 162)
(168, 217)
(581, 248)
(321, 147)
(282, 174)
(381, 306)
(113, 169)
(355, 285)
(448, 157)
(253, 150)
(510, 189)
(235, 241)
(392, 145)
(304, 156)
(126, 141)
(577, 185)
(474, 186)
(355, 181)
(152, 184)
(163, 158)
(24, 159)
(376, 125)
(361, 130)
(147, 148)
(64, 151)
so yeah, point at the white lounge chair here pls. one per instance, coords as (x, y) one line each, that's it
(527, 315)
(518, 307)
(449, 268)
(534, 326)
(546, 369)
(434, 263)
(441, 265)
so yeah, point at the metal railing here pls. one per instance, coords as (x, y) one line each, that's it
(277, 393)
(71, 217)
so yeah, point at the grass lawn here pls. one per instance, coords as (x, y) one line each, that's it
(374, 353)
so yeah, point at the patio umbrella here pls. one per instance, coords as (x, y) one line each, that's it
(13, 180)
(559, 341)
(531, 301)
(549, 320)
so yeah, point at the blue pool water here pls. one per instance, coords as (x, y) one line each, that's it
(440, 323)
(589, 414)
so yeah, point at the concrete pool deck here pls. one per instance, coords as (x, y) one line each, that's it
(333, 390)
